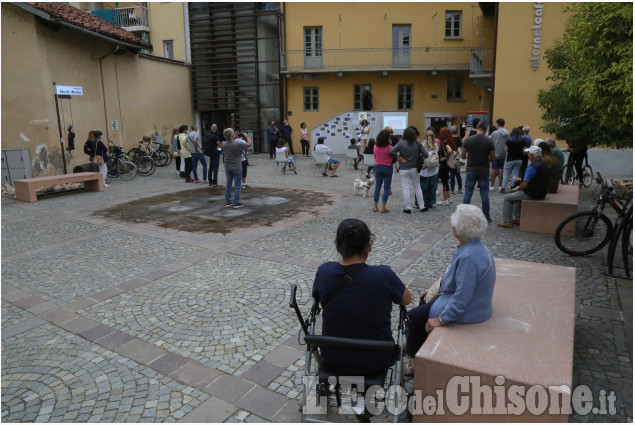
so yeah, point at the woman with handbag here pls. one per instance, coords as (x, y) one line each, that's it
(101, 155)
(408, 150)
(357, 300)
(466, 289)
(429, 172)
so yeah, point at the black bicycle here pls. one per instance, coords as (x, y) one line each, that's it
(586, 232)
(570, 173)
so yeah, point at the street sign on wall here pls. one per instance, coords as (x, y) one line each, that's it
(69, 90)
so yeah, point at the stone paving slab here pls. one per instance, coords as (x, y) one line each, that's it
(211, 310)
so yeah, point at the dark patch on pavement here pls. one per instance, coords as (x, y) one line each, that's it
(203, 210)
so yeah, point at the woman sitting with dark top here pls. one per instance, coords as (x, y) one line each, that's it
(360, 309)
(554, 167)
(467, 287)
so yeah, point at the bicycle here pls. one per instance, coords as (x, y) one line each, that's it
(586, 232)
(144, 163)
(122, 166)
(570, 173)
(159, 154)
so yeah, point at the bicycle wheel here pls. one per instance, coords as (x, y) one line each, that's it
(168, 155)
(587, 176)
(127, 170)
(568, 174)
(145, 165)
(162, 159)
(583, 233)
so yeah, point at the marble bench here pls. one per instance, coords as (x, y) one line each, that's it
(25, 189)
(525, 347)
(545, 215)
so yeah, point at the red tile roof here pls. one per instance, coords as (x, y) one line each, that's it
(81, 18)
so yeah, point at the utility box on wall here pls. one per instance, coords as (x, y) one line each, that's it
(16, 165)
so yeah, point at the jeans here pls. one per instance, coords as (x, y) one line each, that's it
(483, 181)
(291, 161)
(408, 177)
(455, 173)
(512, 204)
(428, 190)
(383, 175)
(196, 157)
(214, 162)
(235, 177)
(511, 170)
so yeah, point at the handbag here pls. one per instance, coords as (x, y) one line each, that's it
(98, 159)
(434, 291)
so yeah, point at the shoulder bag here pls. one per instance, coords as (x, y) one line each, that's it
(349, 278)
(98, 159)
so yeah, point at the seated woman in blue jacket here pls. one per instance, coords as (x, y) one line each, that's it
(467, 287)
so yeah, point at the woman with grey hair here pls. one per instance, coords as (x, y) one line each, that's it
(467, 287)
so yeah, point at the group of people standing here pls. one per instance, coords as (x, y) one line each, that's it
(190, 149)
(276, 135)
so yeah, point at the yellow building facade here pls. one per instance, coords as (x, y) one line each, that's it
(437, 61)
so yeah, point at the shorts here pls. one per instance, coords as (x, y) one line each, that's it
(333, 161)
(498, 164)
(244, 169)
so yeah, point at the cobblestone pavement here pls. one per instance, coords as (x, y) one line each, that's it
(123, 321)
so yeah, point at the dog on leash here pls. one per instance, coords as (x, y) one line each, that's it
(363, 186)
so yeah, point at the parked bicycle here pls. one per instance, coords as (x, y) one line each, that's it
(570, 173)
(159, 153)
(144, 163)
(586, 232)
(121, 164)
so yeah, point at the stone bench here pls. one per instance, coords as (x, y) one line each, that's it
(545, 215)
(528, 341)
(25, 189)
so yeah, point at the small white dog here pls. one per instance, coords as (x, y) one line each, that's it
(363, 186)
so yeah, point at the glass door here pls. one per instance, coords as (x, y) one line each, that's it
(313, 47)
(401, 45)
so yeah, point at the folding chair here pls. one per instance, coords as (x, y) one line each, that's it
(321, 159)
(351, 154)
(281, 158)
(369, 161)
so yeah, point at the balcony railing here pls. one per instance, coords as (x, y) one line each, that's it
(133, 18)
(386, 59)
(129, 18)
(481, 62)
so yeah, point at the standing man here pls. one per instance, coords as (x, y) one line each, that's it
(212, 148)
(196, 150)
(285, 133)
(272, 136)
(534, 186)
(232, 149)
(499, 138)
(479, 151)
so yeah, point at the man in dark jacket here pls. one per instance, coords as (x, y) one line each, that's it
(285, 133)
(534, 186)
(212, 148)
(272, 136)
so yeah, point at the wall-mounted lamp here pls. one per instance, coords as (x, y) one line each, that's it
(340, 74)
(384, 73)
(433, 73)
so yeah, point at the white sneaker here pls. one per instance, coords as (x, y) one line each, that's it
(450, 201)
(444, 203)
(107, 185)
(491, 188)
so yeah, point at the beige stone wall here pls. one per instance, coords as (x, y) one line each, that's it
(145, 96)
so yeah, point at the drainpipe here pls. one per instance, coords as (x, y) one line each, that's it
(491, 107)
(103, 89)
(186, 19)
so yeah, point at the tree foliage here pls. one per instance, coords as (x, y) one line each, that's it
(591, 100)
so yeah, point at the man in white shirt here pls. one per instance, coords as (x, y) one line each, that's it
(322, 148)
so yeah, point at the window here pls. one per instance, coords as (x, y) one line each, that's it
(453, 24)
(311, 99)
(313, 47)
(455, 87)
(401, 45)
(404, 98)
(358, 89)
(168, 49)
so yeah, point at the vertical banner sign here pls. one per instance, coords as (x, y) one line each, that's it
(537, 35)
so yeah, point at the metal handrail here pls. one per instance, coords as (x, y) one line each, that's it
(420, 58)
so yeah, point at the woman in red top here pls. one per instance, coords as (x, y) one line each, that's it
(383, 168)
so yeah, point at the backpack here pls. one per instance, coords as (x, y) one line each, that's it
(432, 160)
(453, 160)
(88, 148)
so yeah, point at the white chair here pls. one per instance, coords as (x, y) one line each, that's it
(320, 159)
(369, 161)
(351, 154)
(281, 158)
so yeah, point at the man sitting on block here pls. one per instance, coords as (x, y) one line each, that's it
(534, 186)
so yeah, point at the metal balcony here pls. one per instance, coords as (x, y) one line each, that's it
(477, 61)
(133, 18)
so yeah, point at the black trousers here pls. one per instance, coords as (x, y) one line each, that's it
(417, 335)
(272, 148)
(305, 146)
(188, 167)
